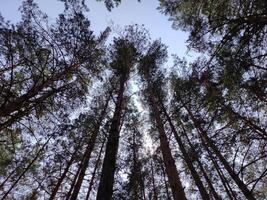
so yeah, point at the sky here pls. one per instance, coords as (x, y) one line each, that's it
(128, 12)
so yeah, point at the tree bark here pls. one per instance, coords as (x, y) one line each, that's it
(9, 176)
(136, 171)
(142, 184)
(225, 183)
(165, 181)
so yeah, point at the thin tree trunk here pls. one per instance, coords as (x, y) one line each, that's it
(225, 183)
(88, 151)
(165, 181)
(136, 171)
(9, 176)
(74, 180)
(94, 171)
(143, 187)
(62, 177)
(26, 169)
(242, 186)
(217, 168)
(212, 189)
(155, 193)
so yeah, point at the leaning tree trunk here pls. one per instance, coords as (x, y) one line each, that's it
(105, 188)
(189, 163)
(14, 171)
(225, 183)
(242, 186)
(209, 182)
(63, 176)
(68, 195)
(26, 169)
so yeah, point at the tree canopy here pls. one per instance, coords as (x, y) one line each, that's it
(87, 116)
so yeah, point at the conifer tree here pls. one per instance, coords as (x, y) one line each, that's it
(124, 55)
(148, 69)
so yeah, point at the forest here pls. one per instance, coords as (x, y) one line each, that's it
(102, 116)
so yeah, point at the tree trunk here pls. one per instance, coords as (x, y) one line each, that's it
(172, 173)
(225, 183)
(94, 172)
(194, 173)
(165, 181)
(155, 193)
(9, 176)
(212, 189)
(136, 171)
(74, 180)
(88, 151)
(142, 184)
(62, 177)
(217, 168)
(105, 188)
(242, 186)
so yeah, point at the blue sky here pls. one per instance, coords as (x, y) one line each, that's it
(128, 12)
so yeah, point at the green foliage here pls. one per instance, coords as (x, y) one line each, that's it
(45, 65)
(110, 4)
